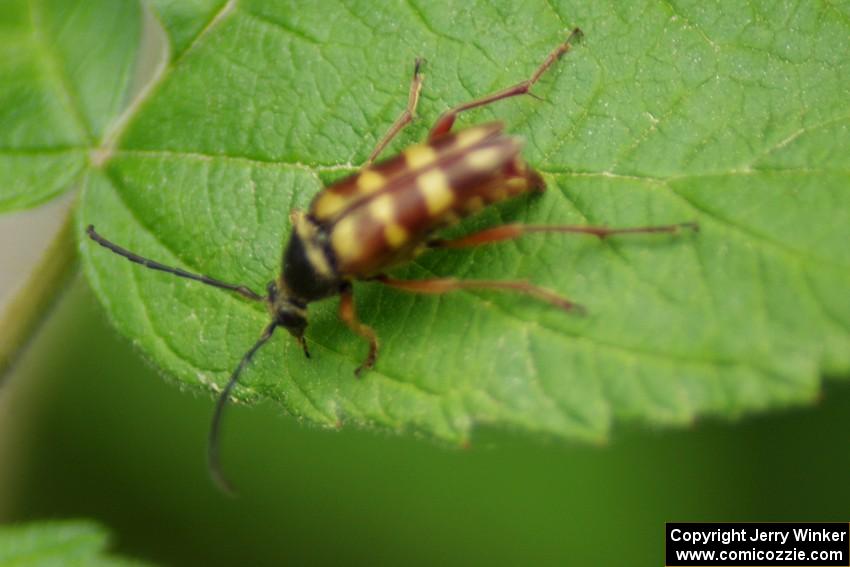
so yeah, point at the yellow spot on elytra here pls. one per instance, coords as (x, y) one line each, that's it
(382, 209)
(369, 181)
(434, 186)
(329, 204)
(419, 156)
(395, 234)
(344, 239)
(486, 159)
(470, 137)
(517, 184)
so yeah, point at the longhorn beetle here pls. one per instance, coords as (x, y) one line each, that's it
(387, 214)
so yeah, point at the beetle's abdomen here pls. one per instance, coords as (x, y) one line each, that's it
(382, 215)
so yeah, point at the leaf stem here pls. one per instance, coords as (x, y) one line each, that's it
(29, 308)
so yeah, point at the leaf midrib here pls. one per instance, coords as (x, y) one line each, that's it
(666, 183)
(70, 99)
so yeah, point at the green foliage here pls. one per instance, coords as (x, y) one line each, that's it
(67, 544)
(184, 21)
(670, 111)
(65, 70)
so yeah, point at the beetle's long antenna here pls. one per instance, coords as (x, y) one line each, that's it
(240, 289)
(215, 429)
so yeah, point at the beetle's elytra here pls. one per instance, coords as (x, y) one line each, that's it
(387, 214)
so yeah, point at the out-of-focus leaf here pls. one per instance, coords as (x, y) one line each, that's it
(66, 544)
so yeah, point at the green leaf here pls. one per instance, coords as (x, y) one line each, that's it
(185, 21)
(734, 116)
(66, 67)
(66, 543)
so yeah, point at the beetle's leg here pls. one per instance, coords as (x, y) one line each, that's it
(511, 231)
(444, 123)
(348, 314)
(405, 117)
(444, 285)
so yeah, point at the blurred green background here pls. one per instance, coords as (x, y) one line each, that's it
(87, 429)
(92, 431)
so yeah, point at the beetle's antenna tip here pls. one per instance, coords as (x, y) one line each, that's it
(221, 481)
(213, 460)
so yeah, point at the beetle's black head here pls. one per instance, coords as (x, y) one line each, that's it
(293, 317)
(287, 311)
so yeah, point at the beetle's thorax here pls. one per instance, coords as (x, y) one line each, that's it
(309, 271)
